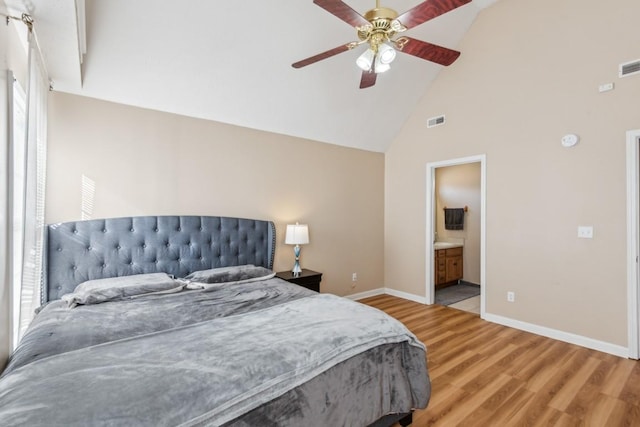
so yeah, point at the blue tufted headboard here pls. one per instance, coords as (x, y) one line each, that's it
(95, 249)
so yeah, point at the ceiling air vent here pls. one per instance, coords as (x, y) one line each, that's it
(435, 121)
(629, 68)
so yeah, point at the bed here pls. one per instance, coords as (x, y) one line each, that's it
(222, 342)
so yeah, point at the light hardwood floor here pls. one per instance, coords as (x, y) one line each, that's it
(484, 374)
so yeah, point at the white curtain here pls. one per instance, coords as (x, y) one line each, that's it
(5, 217)
(34, 168)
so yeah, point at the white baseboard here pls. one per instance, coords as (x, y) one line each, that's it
(405, 295)
(387, 291)
(570, 338)
(366, 294)
(555, 334)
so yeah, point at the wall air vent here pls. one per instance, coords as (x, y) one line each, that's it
(435, 121)
(629, 68)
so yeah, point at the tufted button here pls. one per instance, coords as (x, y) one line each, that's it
(75, 231)
(144, 245)
(167, 244)
(132, 230)
(179, 259)
(201, 228)
(155, 229)
(118, 247)
(131, 263)
(59, 249)
(201, 258)
(104, 265)
(89, 248)
(58, 287)
(104, 230)
(155, 261)
(74, 268)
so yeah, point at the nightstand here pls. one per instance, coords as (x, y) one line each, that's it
(308, 278)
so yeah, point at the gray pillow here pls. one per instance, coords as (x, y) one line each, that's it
(205, 279)
(116, 288)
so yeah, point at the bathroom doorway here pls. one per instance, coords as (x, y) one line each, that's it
(455, 264)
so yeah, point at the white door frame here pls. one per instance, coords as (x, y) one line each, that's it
(633, 198)
(431, 198)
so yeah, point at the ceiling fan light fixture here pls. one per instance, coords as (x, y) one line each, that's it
(365, 61)
(386, 53)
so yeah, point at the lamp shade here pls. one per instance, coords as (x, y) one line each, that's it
(365, 61)
(381, 67)
(386, 53)
(297, 234)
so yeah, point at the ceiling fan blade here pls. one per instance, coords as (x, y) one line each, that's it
(428, 10)
(321, 56)
(343, 11)
(368, 79)
(430, 52)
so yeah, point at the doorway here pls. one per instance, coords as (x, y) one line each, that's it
(633, 242)
(434, 222)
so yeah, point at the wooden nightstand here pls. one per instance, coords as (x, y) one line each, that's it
(308, 278)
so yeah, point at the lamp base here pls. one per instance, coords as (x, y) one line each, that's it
(296, 265)
(296, 269)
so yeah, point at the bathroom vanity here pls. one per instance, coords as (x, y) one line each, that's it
(448, 263)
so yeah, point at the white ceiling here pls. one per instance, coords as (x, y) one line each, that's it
(231, 62)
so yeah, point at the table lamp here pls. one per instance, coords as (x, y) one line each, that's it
(297, 234)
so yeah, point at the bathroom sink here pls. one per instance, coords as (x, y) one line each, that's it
(445, 245)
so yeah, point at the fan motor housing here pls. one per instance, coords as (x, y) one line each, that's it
(380, 19)
(381, 13)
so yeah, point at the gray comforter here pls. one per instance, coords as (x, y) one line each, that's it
(231, 356)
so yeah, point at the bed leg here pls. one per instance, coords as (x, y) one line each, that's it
(407, 420)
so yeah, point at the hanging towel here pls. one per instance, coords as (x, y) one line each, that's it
(454, 219)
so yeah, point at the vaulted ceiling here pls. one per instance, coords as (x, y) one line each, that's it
(231, 62)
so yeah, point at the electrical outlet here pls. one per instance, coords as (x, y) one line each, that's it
(511, 296)
(354, 277)
(585, 232)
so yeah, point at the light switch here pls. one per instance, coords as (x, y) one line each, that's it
(606, 87)
(585, 232)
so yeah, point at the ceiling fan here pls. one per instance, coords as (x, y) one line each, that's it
(378, 27)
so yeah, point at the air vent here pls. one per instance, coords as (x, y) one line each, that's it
(435, 121)
(629, 68)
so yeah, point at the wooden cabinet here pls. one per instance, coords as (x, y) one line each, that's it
(448, 266)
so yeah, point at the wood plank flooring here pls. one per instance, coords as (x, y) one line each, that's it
(484, 374)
